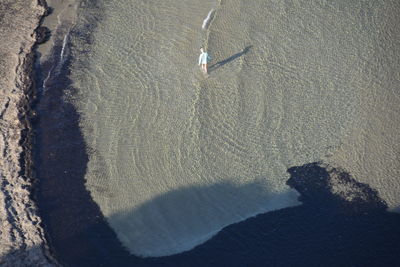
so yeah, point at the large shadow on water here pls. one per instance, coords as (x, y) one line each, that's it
(341, 222)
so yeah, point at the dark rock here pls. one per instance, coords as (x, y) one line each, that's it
(43, 34)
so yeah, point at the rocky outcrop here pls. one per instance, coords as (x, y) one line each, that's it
(22, 241)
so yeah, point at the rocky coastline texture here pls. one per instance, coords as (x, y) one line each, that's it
(22, 241)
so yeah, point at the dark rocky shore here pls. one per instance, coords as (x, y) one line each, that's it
(22, 241)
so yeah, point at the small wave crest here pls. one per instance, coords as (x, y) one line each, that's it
(207, 20)
(63, 45)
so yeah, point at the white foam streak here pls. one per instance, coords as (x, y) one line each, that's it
(207, 19)
(47, 78)
(63, 46)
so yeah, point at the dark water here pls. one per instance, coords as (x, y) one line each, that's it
(332, 227)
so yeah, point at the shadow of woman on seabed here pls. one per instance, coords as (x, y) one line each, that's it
(229, 59)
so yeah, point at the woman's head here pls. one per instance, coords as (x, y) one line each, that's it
(201, 50)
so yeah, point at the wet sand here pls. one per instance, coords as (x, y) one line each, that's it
(22, 241)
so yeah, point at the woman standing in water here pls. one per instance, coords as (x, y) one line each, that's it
(203, 60)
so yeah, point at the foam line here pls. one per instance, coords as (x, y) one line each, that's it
(207, 19)
(63, 46)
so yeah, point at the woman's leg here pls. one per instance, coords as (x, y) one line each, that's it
(204, 67)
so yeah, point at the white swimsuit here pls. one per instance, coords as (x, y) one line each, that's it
(203, 58)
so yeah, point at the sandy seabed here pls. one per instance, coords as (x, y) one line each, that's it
(371, 151)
